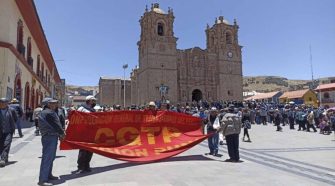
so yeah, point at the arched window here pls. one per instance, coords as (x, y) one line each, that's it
(229, 38)
(160, 29)
(38, 66)
(20, 46)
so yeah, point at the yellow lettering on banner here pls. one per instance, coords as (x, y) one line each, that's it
(127, 152)
(106, 132)
(176, 146)
(150, 133)
(159, 150)
(141, 152)
(170, 132)
(183, 144)
(134, 139)
(169, 148)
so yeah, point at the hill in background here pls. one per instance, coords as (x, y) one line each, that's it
(250, 83)
(276, 83)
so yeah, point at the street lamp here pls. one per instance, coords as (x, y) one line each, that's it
(125, 66)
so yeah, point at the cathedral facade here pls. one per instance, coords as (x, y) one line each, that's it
(180, 76)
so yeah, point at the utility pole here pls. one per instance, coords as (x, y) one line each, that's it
(311, 62)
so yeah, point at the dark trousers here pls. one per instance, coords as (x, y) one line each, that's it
(263, 120)
(310, 126)
(232, 145)
(291, 120)
(5, 142)
(36, 123)
(246, 133)
(84, 158)
(278, 126)
(301, 125)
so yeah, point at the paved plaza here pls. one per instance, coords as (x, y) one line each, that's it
(273, 158)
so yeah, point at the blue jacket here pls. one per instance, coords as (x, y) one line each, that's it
(49, 123)
(7, 121)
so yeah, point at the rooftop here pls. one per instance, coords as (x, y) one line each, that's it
(294, 94)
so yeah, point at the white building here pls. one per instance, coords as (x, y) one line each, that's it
(27, 68)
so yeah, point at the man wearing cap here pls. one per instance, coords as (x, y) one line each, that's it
(213, 141)
(84, 156)
(231, 128)
(51, 130)
(7, 127)
(15, 104)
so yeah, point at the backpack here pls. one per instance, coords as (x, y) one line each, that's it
(231, 124)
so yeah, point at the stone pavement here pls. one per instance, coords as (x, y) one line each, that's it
(273, 158)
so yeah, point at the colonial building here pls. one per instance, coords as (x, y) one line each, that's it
(194, 74)
(111, 91)
(326, 94)
(27, 68)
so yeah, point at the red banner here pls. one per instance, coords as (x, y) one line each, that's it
(136, 136)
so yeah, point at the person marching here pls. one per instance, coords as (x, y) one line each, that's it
(84, 156)
(37, 112)
(277, 120)
(310, 121)
(7, 128)
(15, 104)
(231, 128)
(51, 130)
(246, 124)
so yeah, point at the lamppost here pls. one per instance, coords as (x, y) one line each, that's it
(125, 66)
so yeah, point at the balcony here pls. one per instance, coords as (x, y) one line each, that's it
(21, 49)
(30, 61)
(328, 100)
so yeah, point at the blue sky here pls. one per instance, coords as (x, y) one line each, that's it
(93, 38)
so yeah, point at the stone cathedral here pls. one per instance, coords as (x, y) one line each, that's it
(194, 74)
(184, 75)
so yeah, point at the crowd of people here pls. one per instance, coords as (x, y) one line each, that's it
(220, 120)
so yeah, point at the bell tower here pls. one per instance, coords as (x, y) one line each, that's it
(223, 49)
(157, 72)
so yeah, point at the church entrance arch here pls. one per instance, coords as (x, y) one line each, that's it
(196, 95)
(17, 88)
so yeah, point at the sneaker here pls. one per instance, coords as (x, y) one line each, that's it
(44, 184)
(21, 136)
(210, 153)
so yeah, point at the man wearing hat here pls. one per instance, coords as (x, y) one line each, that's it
(7, 127)
(213, 141)
(15, 104)
(84, 156)
(231, 128)
(51, 130)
